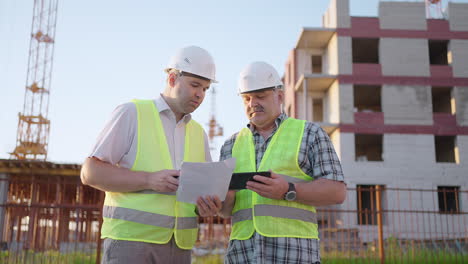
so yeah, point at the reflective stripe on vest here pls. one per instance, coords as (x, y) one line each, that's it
(275, 211)
(146, 218)
(271, 217)
(154, 192)
(147, 215)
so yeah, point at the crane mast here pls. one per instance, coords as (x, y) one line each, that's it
(215, 130)
(33, 123)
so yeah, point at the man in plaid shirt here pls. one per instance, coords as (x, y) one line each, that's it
(274, 219)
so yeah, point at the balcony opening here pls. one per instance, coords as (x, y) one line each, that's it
(446, 149)
(442, 100)
(317, 109)
(367, 204)
(316, 61)
(365, 50)
(367, 98)
(368, 147)
(448, 197)
(438, 52)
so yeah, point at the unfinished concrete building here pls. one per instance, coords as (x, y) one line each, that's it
(44, 206)
(392, 93)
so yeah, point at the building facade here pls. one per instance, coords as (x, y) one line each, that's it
(392, 93)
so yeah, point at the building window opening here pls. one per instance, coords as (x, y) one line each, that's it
(367, 98)
(367, 204)
(442, 100)
(446, 149)
(317, 109)
(365, 50)
(368, 147)
(316, 61)
(448, 197)
(438, 52)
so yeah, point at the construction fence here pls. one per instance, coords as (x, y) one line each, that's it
(57, 220)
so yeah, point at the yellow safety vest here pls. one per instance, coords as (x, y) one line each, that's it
(270, 217)
(150, 216)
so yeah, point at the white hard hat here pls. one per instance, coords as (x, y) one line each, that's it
(257, 76)
(194, 60)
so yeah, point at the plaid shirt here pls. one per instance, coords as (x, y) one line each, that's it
(318, 159)
(266, 250)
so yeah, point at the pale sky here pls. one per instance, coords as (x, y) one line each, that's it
(109, 52)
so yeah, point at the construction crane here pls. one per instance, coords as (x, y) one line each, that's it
(33, 123)
(215, 130)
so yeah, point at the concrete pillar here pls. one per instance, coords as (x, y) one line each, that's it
(306, 114)
(337, 15)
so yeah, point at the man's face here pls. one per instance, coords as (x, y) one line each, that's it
(188, 93)
(263, 107)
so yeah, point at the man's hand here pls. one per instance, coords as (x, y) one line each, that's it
(228, 204)
(163, 180)
(273, 188)
(208, 205)
(230, 195)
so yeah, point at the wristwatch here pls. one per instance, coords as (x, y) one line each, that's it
(290, 195)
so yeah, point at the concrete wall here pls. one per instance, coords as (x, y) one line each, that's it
(290, 83)
(335, 138)
(461, 105)
(409, 159)
(301, 104)
(310, 96)
(338, 56)
(325, 61)
(459, 50)
(399, 15)
(462, 143)
(304, 60)
(347, 152)
(345, 55)
(409, 162)
(309, 105)
(458, 16)
(332, 55)
(300, 114)
(346, 103)
(404, 57)
(331, 104)
(407, 105)
(395, 149)
(337, 15)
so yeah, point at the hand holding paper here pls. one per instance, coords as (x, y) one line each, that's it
(208, 205)
(204, 178)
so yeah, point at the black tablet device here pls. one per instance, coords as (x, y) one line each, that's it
(239, 180)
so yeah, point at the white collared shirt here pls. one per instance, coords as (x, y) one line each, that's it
(117, 142)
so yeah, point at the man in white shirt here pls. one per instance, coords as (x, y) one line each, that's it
(136, 161)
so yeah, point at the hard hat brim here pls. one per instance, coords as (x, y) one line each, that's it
(192, 75)
(263, 89)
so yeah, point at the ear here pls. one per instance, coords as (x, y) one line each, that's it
(171, 79)
(281, 96)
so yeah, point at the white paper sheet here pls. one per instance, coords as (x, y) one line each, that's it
(204, 178)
